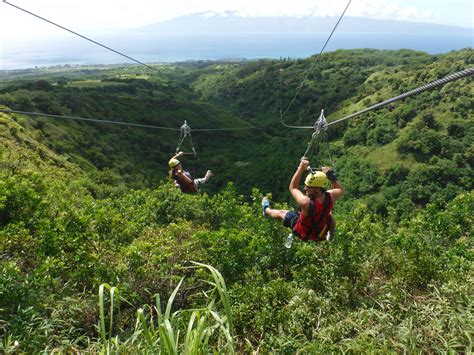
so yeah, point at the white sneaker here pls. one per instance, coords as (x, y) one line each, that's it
(208, 175)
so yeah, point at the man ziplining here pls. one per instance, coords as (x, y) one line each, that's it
(183, 178)
(314, 221)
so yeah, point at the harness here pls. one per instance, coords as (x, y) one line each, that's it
(316, 224)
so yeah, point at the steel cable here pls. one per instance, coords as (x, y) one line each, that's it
(311, 68)
(78, 34)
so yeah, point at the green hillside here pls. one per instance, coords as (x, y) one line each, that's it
(91, 230)
(226, 95)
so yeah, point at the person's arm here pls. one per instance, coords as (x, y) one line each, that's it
(336, 189)
(184, 177)
(301, 199)
(177, 155)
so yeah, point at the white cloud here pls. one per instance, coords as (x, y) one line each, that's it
(427, 14)
(408, 12)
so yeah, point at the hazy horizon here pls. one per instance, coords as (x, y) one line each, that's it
(180, 48)
(216, 38)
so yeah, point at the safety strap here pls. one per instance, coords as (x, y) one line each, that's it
(331, 163)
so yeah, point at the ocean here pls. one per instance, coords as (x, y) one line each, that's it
(73, 50)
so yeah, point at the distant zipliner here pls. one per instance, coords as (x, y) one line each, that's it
(183, 178)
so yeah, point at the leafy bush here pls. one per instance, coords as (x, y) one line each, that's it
(396, 278)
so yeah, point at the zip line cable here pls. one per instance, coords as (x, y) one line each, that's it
(149, 67)
(122, 123)
(447, 79)
(311, 68)
(88, 119)
(105, 121)
(321, 125)
(442, 81)
(224, 129)
(77, 34)
(450, 78)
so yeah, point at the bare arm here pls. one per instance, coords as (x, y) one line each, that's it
(336, 190)
(177, 155)
(301, 199)
(184, 177)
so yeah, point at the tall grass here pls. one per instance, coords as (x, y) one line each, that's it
(206, 331)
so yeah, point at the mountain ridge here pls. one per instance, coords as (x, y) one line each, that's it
(232, 22)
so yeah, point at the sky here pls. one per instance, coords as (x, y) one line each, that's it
(90, 16)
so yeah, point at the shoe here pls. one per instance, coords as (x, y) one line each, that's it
(208, 175)
(265, 205)
(330, 236)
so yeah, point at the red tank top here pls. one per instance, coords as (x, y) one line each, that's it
(185, 187)
(316, 224)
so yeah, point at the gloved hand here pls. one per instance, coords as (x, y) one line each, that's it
(329, 173)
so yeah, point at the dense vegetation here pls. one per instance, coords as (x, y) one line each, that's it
(91, 231)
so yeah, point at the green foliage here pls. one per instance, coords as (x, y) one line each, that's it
(279, 299)
(156, 331)
(356, 135)
(83, 206)
(219, 95)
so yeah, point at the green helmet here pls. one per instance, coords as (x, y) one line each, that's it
(317, 179)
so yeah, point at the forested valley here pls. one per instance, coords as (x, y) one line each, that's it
(100, 252)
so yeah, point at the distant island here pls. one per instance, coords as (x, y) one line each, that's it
(231, 22)
(216, 36)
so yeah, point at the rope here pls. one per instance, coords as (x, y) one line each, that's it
(313, 140)
(311, 68)
(77, 34)
(321, 125)
(331, 162)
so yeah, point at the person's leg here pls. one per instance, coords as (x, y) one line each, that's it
(276, 214)
(271, 212)
(200, 181)
(204, 179)
(208, 175)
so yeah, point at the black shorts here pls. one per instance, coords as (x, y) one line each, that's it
(290, 219)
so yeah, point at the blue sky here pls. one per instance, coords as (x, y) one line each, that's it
(93, 15)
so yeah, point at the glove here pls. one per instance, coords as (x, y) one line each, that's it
(331, 176)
